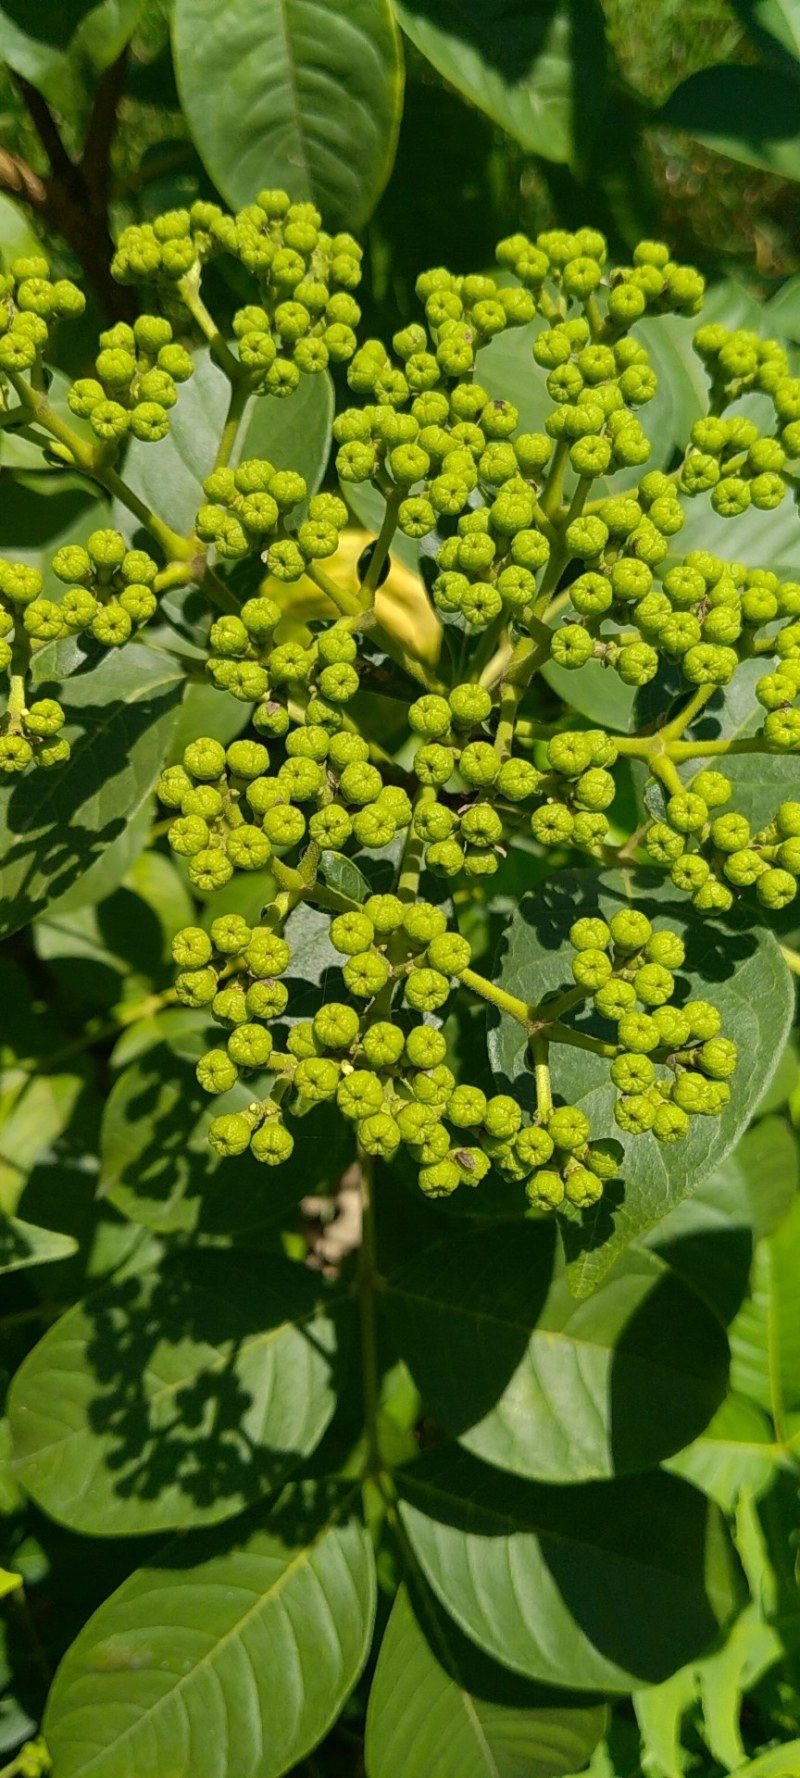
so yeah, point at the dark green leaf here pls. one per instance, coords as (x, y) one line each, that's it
(55, 824)
(228, 1653)
(609, 1586)
(176, 1398)
(306, 94)
(343, 875)
(439, 1709)
(22, 1244)
(748, 113)
(783, 310)
(740, 970)
(535, 66)
(542, 1386)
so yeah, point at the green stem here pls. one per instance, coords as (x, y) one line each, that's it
(239, 397)
(407, 888)
(189, 291)
(345, 602)
(365, 1288)
(507, 1003)
(541, 1074)
(581, 1040)
(673, 730)
(176, 548)
(20, 667)
(381, 550)
(553, 489)
(710, 749)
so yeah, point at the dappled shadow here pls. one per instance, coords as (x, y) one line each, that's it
(188, 1402)
(61, 820)
(478, 1298)
(652, 1533)
(651, 1414)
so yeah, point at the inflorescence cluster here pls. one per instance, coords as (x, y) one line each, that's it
(531, 558)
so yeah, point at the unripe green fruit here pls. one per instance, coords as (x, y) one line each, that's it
(425, 1047)
(545, 1190)
(568, 1127)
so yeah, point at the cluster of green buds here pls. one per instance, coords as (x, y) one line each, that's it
(235, 813)
(390, 1077)
(304, 317)
(669, 1062)
(138, 370)
(247, 512)
(31, 302)
(712, 855)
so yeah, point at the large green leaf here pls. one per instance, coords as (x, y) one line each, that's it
(765, 1337)
(439, 1709)
(708, 1238)
(55, 824)
(168, 476)
(748, 113)
(606, 1587)
(783, 309)
(228, 1654)
(23, 1244)
(175, 1398)
(535, 66)
(737, 1451)
(306, 94)
(740, 970)
(545, 1387)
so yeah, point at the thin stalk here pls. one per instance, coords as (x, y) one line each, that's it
(365, 1288)
(189, 290)
(541, 1074)
(507, 1003)
(381, 550)
(239, 397)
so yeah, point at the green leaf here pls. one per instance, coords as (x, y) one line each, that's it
(783, 310)
(737, 1451)
(306, 94)
(168, 476)
(607, 1587)
(17, 238)
(229, 1653)
(51, 43)
(22, 1244)
(343, 875)
(535, 67)
(775, 27)
(748, 113)
(708, 1238)
(108, 870)
(176, 1398)
(439, 1709)
(55, 824)
(765, 1337)
(777, 1764)
(35, 1110)
(741, 971)
(544, 1387)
